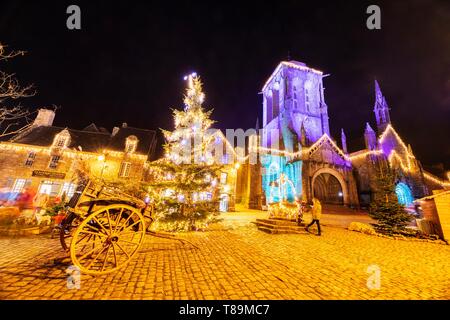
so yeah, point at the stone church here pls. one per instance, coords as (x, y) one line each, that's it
(299, 159)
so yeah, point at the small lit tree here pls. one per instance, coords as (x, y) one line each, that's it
(390, 215)
(186, 180)
(13, 119)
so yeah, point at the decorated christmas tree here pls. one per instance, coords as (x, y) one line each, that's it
(390, 215)
(185, 181)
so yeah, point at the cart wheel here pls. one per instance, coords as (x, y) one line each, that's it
(68, 226)
(107, 239)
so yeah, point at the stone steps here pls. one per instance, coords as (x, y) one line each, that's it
(279, 226)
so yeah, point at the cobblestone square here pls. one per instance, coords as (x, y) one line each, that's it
(236, 261)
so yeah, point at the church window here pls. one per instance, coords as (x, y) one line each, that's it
(307, 100)
(275, 103)
(404, 194)
(269, 99)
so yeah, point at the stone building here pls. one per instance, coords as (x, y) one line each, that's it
(46, 157)
(299, 159)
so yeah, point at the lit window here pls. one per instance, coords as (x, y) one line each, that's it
(69, 189)
(62, 139)
(60, 142)
(205, 196)
(18, 186)
(54, 162)
(131, 144)
(225, 159)
(223, 178)
(30, 159)
(50, 187)
(124, 169)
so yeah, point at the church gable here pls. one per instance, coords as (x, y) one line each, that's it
(398, 153)
(325, 150)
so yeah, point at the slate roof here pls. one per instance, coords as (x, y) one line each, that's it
(90, 139)
(146, 140)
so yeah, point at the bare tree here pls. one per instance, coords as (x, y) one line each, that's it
(13, 119)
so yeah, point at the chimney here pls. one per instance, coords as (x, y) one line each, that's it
(114, 131)
(44, 118)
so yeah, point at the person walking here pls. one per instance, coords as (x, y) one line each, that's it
(316, 215)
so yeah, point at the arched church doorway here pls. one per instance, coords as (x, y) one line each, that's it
(404, 194)
(329, 187)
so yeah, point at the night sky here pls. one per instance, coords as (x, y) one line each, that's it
(128, 61)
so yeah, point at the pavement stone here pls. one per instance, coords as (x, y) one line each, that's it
(237, 261)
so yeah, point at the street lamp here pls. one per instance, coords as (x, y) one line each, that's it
(102, 158)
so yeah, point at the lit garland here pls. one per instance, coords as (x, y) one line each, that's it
(394, 155)
(184, 185)
(285, 210)
(436, 180)
(408, 167)
(364, 154)
(305, 151)
(322, 139)
(290, 65)
(399, 139)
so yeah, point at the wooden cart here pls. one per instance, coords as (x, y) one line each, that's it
(104, 228)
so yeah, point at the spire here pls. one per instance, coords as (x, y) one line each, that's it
(344, 141)
(369, 129)
(370, 137)
(381, 109)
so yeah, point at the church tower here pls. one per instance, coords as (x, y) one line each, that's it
(381, 110)
(294, 98)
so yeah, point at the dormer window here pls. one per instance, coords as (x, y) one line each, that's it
(131, 144)
(61, 140)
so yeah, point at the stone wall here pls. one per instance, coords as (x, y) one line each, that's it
(13, 159)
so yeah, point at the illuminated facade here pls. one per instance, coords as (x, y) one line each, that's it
(300, 159)
(46, 158)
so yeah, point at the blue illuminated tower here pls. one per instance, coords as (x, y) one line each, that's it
(293, 97)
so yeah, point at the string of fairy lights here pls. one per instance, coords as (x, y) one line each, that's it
(394, 155)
